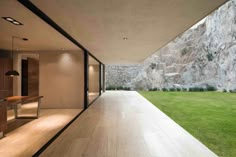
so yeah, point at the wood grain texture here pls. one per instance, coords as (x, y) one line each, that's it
(6, 82)
(124, 124)
(33, 77)
(3, 116)
(92, 96)
(29, 138)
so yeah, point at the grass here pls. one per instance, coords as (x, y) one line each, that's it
(208, 116)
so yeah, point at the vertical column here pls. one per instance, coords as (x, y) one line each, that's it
(86, 78)
(104, 79)
(100, 76)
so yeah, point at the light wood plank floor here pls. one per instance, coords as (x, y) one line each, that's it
(124, 124)
(29, 138)
(92, 96)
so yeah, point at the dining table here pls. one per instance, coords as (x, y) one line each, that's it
(14, 103)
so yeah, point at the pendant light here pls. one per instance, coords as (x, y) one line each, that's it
(12, 72)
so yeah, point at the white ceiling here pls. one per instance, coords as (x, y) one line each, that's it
(41, 36)
(101, 25)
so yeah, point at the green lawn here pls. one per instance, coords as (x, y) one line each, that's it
(209, 116)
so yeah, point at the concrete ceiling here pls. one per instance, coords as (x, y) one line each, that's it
(42, 37)
(101, 25)
(92, 61)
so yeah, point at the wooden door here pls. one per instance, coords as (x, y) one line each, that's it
(33, 77)
(24, 77)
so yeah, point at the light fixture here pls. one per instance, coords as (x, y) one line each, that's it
(13, 21)
(12, 73)
(9, 19)
(16, 23)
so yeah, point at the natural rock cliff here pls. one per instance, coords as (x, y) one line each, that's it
(203, 55)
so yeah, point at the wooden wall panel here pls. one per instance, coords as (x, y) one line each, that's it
(6, 82)
(3, 116)
(33, 77)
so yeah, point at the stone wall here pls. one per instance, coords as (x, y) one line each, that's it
(121, 75)
(203, 55)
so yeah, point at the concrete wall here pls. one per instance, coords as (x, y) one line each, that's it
(94, 78)
(61, 79)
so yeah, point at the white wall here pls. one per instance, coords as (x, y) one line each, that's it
(61, 79)
(94, 78)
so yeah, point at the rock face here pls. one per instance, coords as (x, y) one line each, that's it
(203, 55)
(121, 75)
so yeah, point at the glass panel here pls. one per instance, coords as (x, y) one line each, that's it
(93, 70)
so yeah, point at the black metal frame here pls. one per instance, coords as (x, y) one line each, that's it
(103, 78)
(29, 5)
(100, 79)
(44, 147)
(86, 78)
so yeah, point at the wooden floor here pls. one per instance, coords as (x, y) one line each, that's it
(29, 138)
(92, 96)
(30, 109)
(124, 124)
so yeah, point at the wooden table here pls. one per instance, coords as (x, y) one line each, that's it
(12, 103)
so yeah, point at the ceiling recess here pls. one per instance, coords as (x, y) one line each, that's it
(13, 21)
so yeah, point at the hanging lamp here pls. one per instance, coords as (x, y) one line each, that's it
(12, 72)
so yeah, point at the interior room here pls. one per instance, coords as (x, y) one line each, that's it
(94, 78)
(41, 81)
